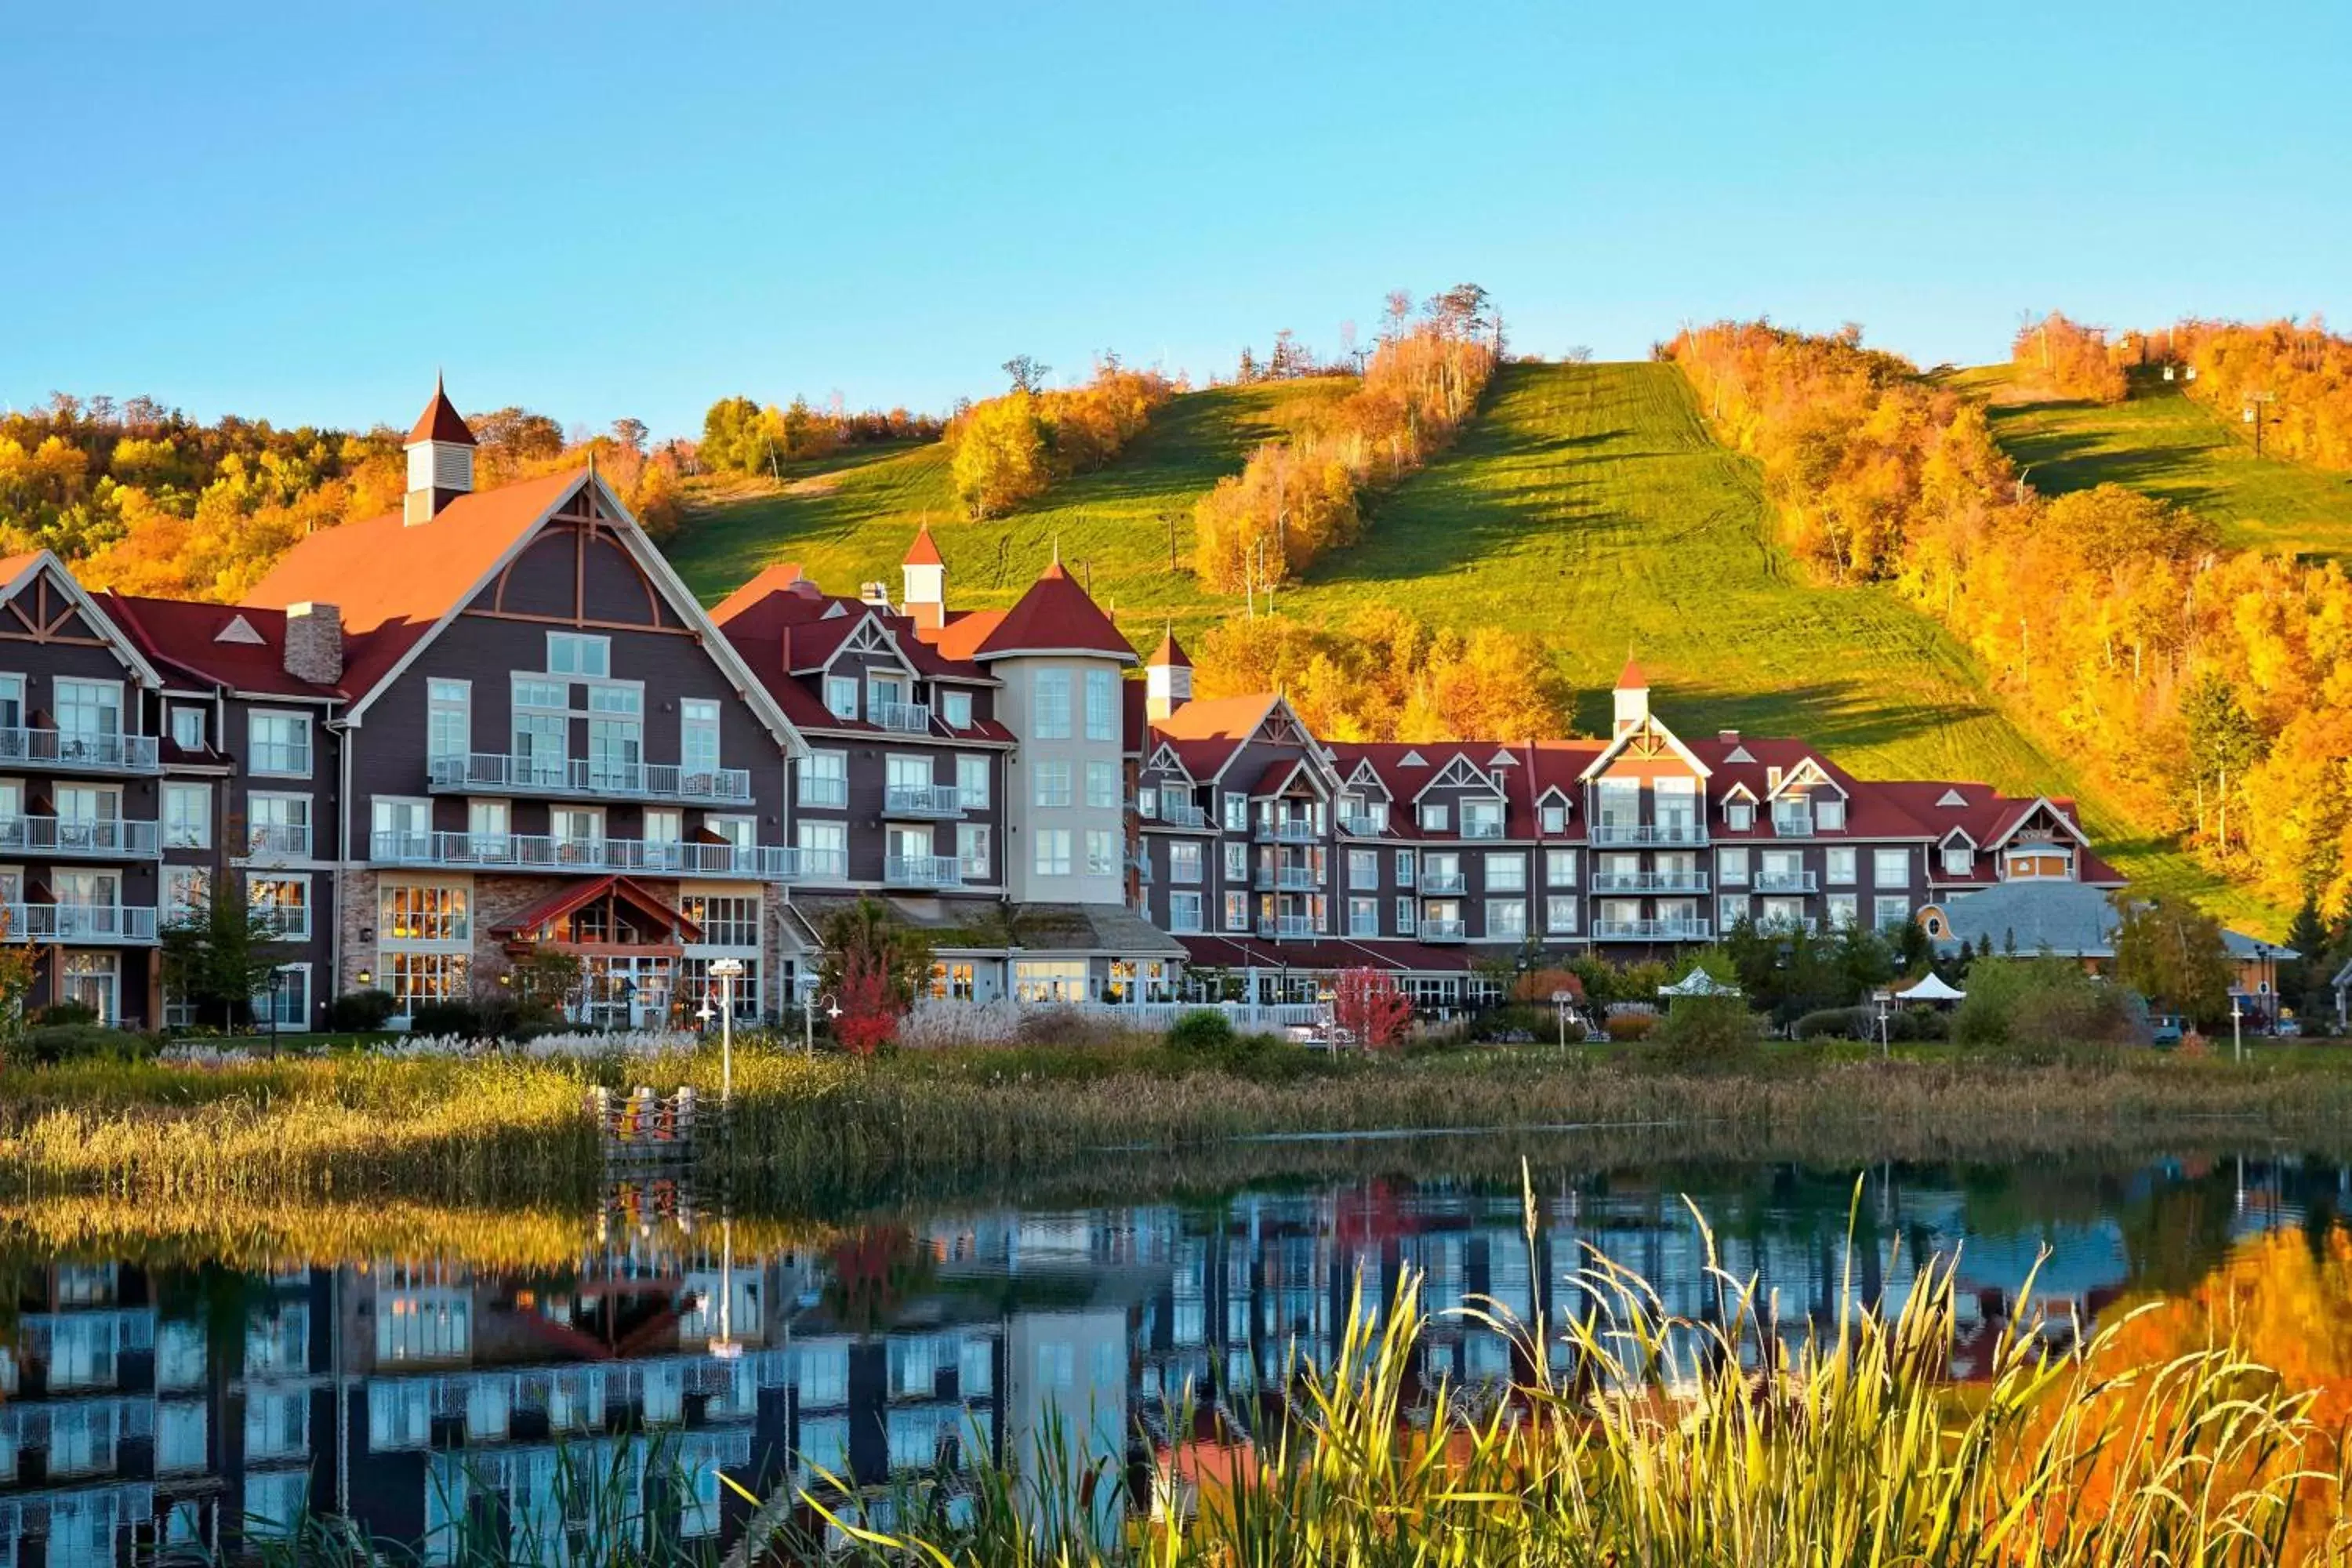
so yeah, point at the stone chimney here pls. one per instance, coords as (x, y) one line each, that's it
(314, 643)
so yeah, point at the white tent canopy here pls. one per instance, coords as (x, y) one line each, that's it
(1935, 988)
(1698, 982)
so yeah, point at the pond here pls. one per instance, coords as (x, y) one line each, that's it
(157, 1389)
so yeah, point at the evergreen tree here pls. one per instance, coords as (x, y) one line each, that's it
(222, 959)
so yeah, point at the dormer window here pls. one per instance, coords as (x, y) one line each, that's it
(1555, 817)
(955, 707)
(1829, 812)
(1959, 860)
(1739, 815)
(841, 695)
(1793, 816)
(187, 727)
(1482, 820)
(1435, 818)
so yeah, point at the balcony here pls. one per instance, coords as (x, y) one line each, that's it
(539, 852)
(1444, 930)
(1298, 879)
(1792, 825)
(79, 751)
(1493, 830)
(278, 841)
(923, 871)
(922, 800)
(1784, 881)
(1180, 816)
(79, 922)
(1297, 831)
(100, 838)
(806, 865)
(1363, 827)
(1649, 833)
(1443, 882)
(1650, 931)
(1650, 882)
(487, 773)
(906, 717)
(1287, 925)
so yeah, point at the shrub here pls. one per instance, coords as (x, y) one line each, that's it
(1708, 1028)
(1201, 1033)
(1516, 1023)
(361, 1011)
(52, 1043)
(2047, 1010)
(1831, 1024)
(1624, 1027)
(1072, 1026)
(64, 1015)
(456, 1017)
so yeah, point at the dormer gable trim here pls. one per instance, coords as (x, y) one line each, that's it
(1739, 791)
(1952, 797)
(1739, 754)
(2042, 802)
(1804, 775)
(1413, 760)
(1648, 738)
(1165, 761)
(239, 630)
(1961, 833)
(1313, 779)
(1363, 775)
(1552, 793)
(869, 636)
(44, 574)
(1461, 773)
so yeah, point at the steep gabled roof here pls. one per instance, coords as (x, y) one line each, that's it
(441, 421)
(1056, 615)
(183, 635)
(923, 552)
(21, 571)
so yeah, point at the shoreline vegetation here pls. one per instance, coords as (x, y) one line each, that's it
(829, 1134)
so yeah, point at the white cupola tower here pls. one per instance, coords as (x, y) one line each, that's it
(440, 459)
(924, 581)
(1632, 698)
(1167, 678)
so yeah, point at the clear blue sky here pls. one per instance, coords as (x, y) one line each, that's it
(298, 213)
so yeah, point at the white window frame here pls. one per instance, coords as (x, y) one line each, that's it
(1055, 848)
(1513, 865)
(826, 769)
(1102, 847)
(1184, 860)
(1050, 697)
(1178, 902)
(582, 642)
(1878, 862)
(183, 789)
(254, 744)
(1102, 786)
(1237, 910)
(195, 710)
(1731, 866)
(1514, 924)
(1560, 914)
(1102, 705)
(690, 724)
(253, 798)
(972, 781)
(1053, 783)
(1560, 867)
(1236, 812)
(838, 689)
(955, 710)
(1840, 865)
(1960, 860)
(441, 705)
(1888, 912)
(1435, 817)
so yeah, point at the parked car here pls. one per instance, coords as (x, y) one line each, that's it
(2165, 1030)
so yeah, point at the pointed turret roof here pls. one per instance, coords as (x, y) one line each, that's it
(1631, 677)
(441, 421)
(1171, 653)
(923, 552)
(1056, 615)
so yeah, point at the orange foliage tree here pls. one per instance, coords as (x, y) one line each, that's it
(1007, 451)
(2071, 359)
(2207, 691)
(2301, 369)
(1384, 675)
(1297, 497)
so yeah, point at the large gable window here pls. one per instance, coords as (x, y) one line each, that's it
(577, 653)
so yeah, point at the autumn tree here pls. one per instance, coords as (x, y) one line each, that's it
(2172, 953)
(1027, 374)
(874, 966)
(1369, 1008)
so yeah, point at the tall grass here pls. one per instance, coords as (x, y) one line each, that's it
(1738, 1439)
(829, 1133)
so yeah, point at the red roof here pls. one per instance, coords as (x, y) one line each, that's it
(1171, 653)
(1056, 615)
(187, 634)
(923, 552)
(441, 421)
(565, 900)
(1631, 677)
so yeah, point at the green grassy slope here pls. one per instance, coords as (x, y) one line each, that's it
(1587, 504)
(2161, 441)
(850, 520)
(1590, 505)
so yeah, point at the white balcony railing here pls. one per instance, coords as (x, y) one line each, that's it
(923, 800)
(1784, 881)
(923, 871)
(1295, 831)
(1792, 824)
(908, 718)
(1650, 931)
(1649, 833)
(103, 837)
(1444, 930)
(819, 865)
(278, 841)
(1362, 826)
(1182, 816)
(1650, 882)
(1298, 879)
(540, 852)
(81, 750)
(1287, 925)
(486, 771)
(1443, 882)
(79, 922)
(1492, 829)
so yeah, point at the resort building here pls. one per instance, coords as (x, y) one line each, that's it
(430, 745)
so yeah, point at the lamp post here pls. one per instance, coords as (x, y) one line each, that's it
(725, 971)
(809, 1000)
(2237, 1032)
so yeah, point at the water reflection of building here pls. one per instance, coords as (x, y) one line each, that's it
(141, 1408)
